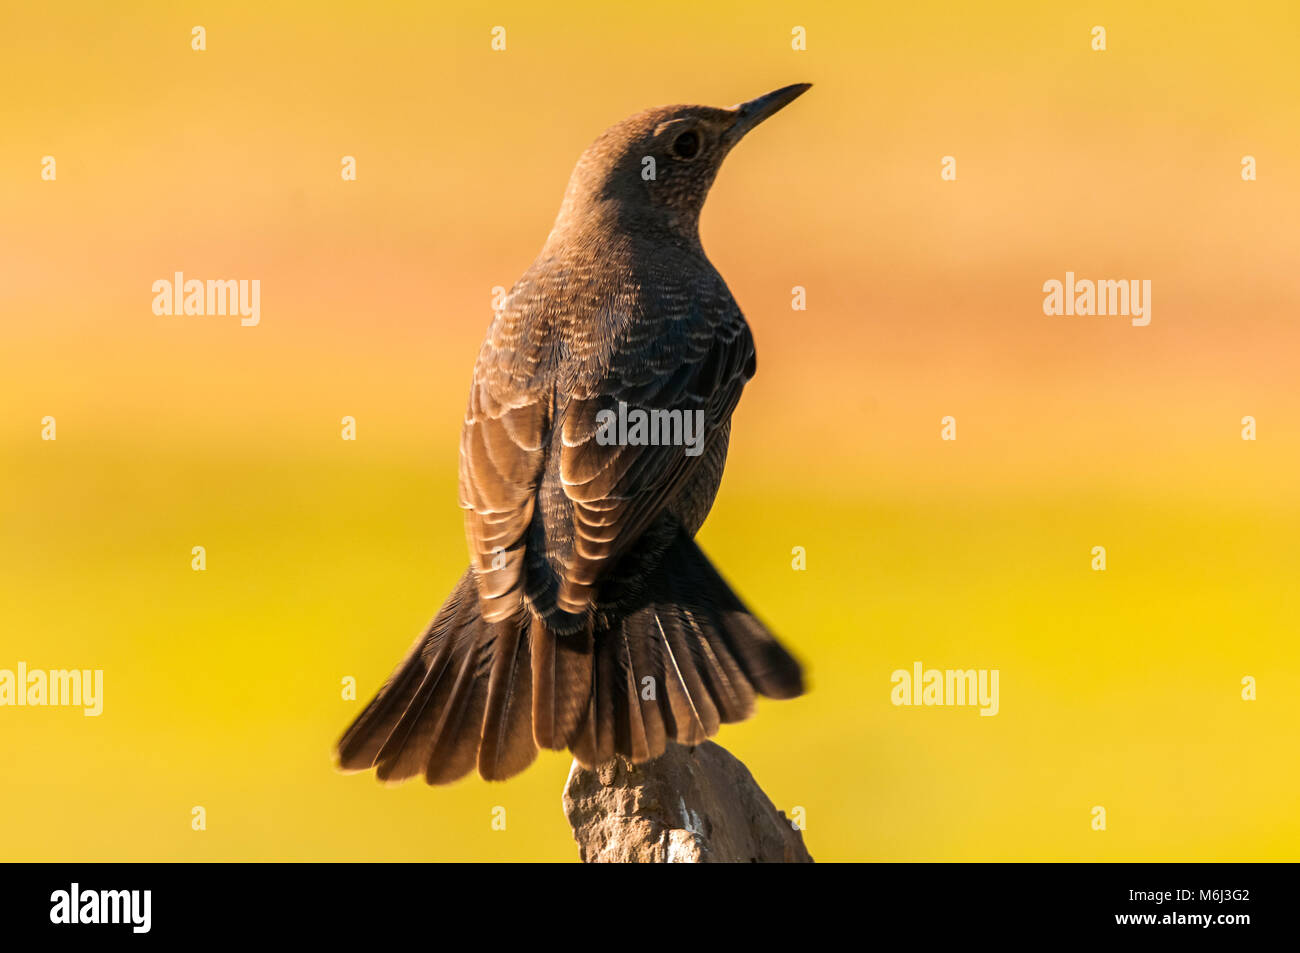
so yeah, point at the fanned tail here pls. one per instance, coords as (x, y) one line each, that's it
(682, 658)
(685, 659)
(460, 698)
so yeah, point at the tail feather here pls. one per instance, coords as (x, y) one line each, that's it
(705, 654)
(508, 745)
(405, 752)
(429, 717)
(644, 684)
(414, 679)
(455, 746)
(694, 716)
(561, 683)
(726, 683)
(359, 747)
(763, 660)
(680, 659)
(596, 738)
(632, 731)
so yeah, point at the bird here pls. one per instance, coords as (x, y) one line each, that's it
(589, 618)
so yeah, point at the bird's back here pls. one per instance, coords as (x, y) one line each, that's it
(637, 320)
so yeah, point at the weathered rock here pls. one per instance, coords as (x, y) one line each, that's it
(692, 805)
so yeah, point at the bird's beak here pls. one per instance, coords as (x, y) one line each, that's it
(750, 114)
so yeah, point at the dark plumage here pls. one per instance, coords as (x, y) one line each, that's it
(588, 618)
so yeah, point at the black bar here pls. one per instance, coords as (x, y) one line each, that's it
(334, 901)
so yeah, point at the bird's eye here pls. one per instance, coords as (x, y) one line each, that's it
(687, 145)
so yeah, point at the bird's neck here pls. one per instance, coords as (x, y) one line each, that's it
(603, 223)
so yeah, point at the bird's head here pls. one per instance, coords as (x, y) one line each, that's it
(652, 172)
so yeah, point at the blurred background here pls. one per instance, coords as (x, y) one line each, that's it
(326, 558)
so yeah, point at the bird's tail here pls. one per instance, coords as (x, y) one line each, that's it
(685, 657)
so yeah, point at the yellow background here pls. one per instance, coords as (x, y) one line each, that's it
(326, 558)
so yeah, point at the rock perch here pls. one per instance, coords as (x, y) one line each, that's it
(692, 805)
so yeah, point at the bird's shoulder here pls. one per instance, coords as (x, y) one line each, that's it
(606, 316)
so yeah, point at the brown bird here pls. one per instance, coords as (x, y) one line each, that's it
(589, 618)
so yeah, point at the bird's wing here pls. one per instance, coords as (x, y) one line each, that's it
(502, 452)
(697, 357)
(689, 351)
